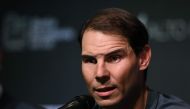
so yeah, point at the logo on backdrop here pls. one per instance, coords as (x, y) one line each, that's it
(37, 33)
(167, 29)
(33, 33)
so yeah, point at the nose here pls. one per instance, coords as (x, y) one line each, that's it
(102, 74)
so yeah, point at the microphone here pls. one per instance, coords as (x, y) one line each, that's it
(80, 102)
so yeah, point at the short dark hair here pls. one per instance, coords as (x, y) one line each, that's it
(120, 22)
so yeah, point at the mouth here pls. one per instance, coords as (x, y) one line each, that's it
(105, 91)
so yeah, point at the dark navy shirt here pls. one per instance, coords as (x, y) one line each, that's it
(157, 100)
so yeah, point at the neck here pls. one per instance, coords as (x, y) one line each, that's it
(142, 100)
(137, 101)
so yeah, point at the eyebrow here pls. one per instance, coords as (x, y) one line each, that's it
(87, 56)
(122, 50)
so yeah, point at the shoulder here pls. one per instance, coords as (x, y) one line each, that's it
(166, 101)
(158, 100)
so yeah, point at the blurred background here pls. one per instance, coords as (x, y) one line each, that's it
(41, 56)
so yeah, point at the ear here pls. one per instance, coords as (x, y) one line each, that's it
(144, 58)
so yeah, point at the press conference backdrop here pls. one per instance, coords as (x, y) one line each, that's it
(41, 61)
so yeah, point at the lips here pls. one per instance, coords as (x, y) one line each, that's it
(105, 91)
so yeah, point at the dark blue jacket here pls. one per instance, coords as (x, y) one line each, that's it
(156, 100)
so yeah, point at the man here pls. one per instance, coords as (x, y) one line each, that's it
(115, 58)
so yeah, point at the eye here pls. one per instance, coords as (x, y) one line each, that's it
(89, 59)
(114, 58)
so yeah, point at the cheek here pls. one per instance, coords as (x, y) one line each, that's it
(119, 72)
(123, 73)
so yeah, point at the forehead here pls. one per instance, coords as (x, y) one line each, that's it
(98, 42)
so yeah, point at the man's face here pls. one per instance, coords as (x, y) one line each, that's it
(109, 67)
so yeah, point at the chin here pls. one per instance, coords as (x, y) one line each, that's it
(111, 102)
